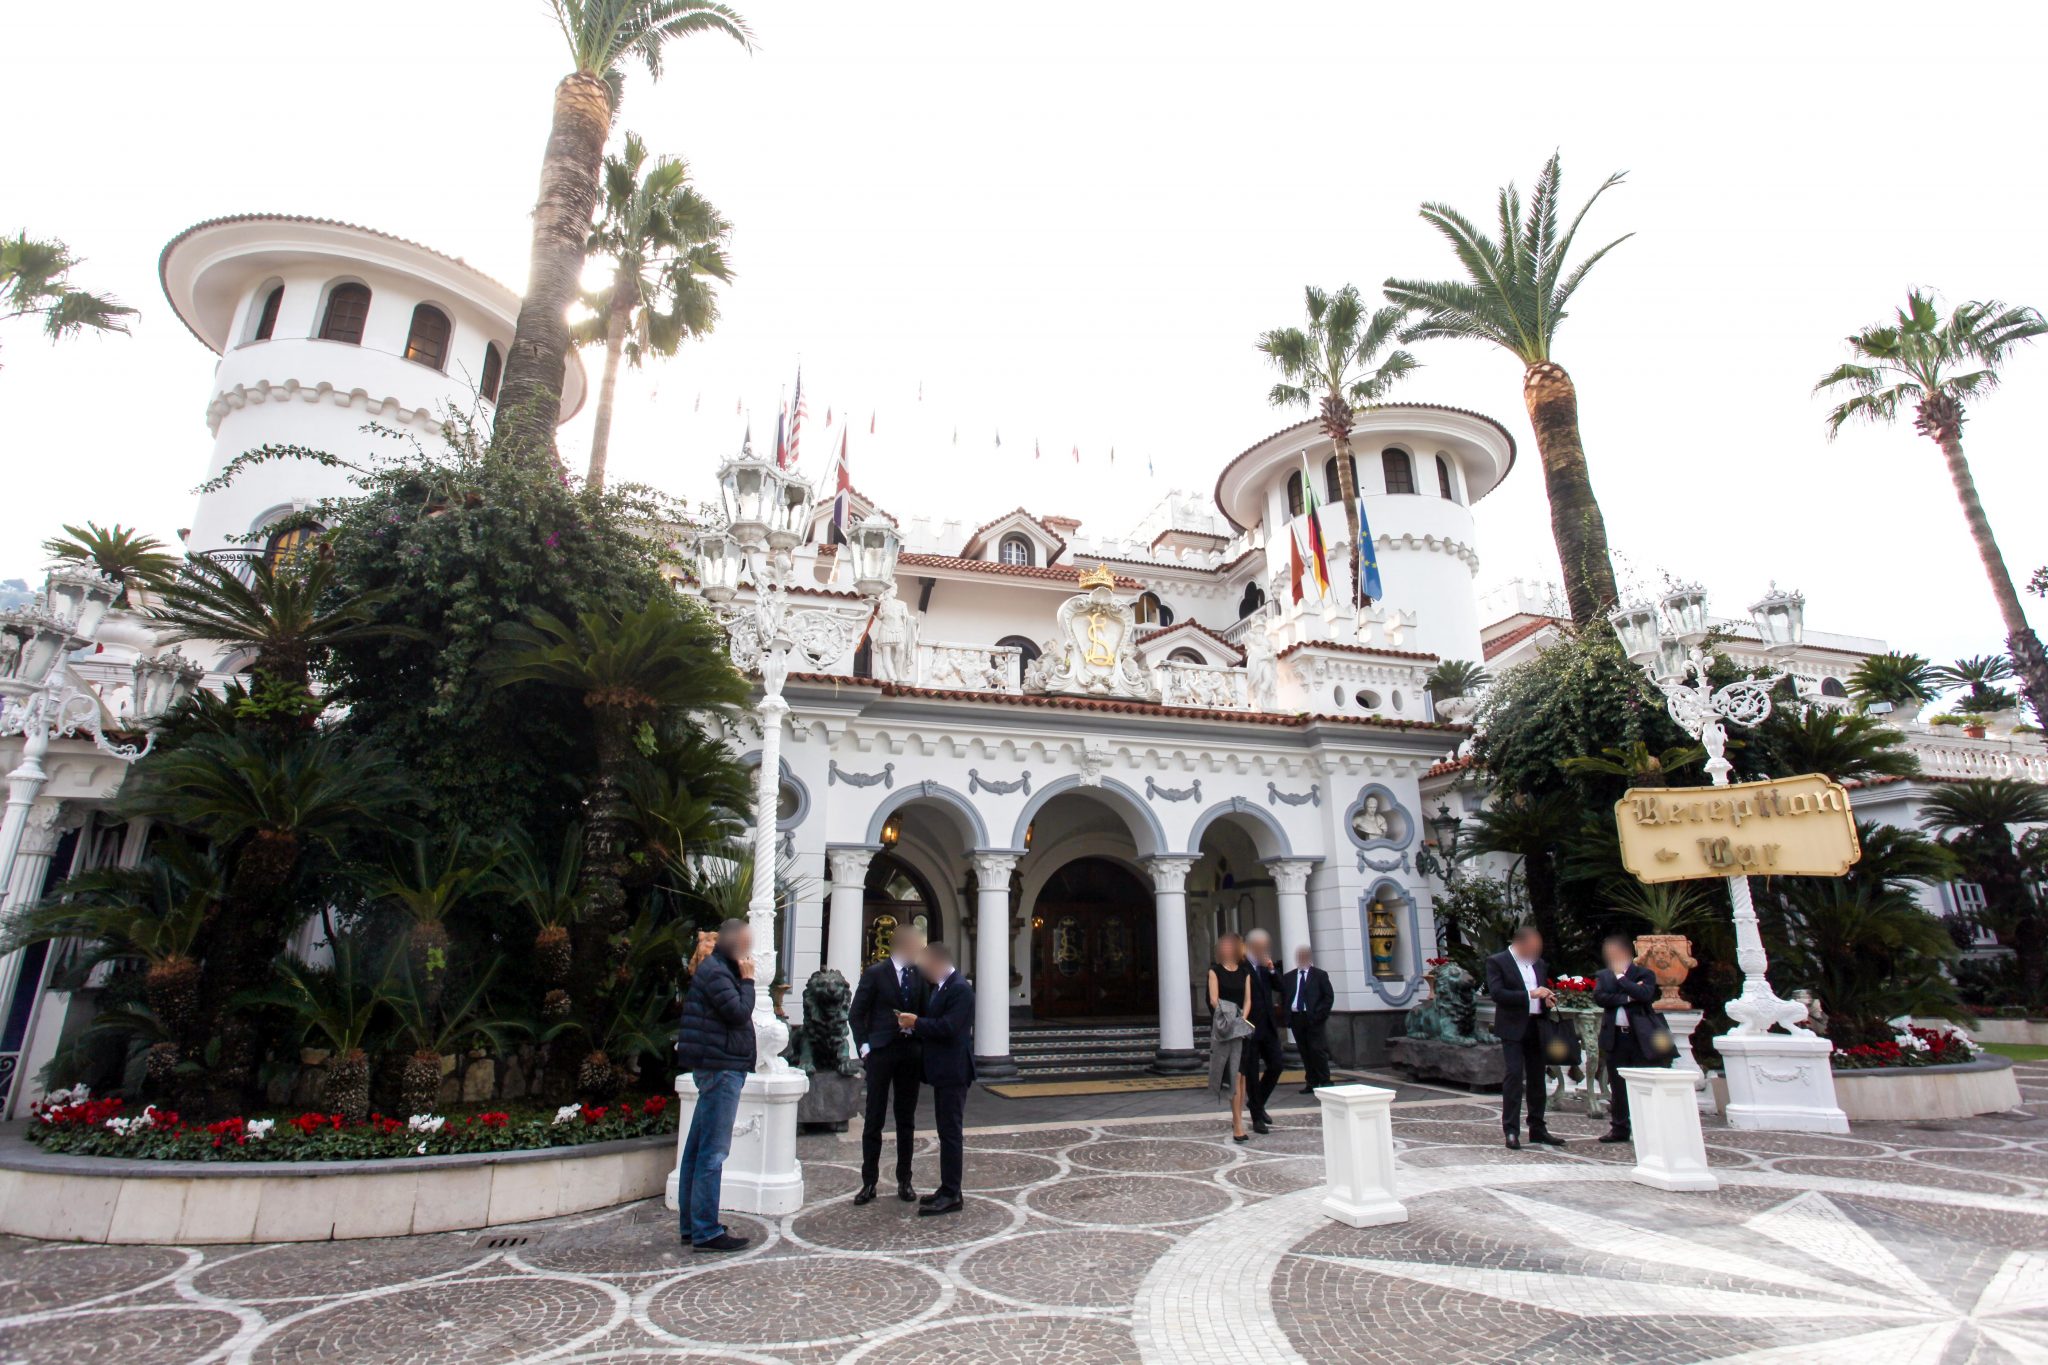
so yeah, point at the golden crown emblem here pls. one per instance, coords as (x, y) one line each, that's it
(1098, 577)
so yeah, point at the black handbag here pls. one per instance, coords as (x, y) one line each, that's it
(1560, 1041)
(1659, 1047)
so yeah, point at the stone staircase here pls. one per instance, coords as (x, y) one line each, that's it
(1089, 1049)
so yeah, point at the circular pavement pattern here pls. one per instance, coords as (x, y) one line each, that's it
(1161, 1241)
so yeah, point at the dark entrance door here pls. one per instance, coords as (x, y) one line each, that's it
(1093, 951)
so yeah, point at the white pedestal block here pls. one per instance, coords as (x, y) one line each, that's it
(686, 1109)
(1682, 1024)
(1664, 1117)
(1780, 1082)
(762, 1174)
(1358, 1155)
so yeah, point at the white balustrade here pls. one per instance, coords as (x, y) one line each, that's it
(1963, 757)
(970, 668)
(1202, 686)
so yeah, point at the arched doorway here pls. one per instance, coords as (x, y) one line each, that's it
(1093, 950)
(895, 895)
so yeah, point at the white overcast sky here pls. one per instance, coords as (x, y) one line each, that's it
(1067, 223)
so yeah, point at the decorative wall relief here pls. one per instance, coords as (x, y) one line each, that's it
(976, 782)
(886, 777)
(1312, 797)
(1377, 820)
(1093, 652)
(1391, 929)
(1155, 792)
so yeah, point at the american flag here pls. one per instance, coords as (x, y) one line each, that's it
(796, 420)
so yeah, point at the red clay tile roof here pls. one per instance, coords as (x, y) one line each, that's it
(1450, 765)
(1146, 637)
(1061, 573)
(974, 541)
(1500, 644)
(1355, 649)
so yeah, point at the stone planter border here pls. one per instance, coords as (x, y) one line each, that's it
(120, 1200)
(2031, 1031)
(1894, 1094)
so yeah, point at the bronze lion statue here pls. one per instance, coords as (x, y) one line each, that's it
(825, 1043)
(1451, 1015)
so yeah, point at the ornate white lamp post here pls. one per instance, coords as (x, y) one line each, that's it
(40, 703)
(1677, 663)
(767, 514)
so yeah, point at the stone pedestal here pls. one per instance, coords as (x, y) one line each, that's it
(762, 1174)
(1358, 1155)
(1682, 1023)
(1780, 1082)
(1426, 1059)
(832, 1102)
(1664, 1117)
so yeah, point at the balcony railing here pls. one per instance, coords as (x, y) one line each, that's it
(1962, 757)
(971, 668)
(1202, 686)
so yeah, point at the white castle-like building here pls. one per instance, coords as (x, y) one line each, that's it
(1075, 755)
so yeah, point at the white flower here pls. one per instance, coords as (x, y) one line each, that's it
(120, 1126)
(421, 1149)
(567, 1112)
(77, 1094)
(425, 1123)
(259, 1128)
(1912, 1042)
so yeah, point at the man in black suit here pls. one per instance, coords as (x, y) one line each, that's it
(1306, 998)
(946, 1032)
(1519, 985)
(890, 1057)
(1266, 1057)
(1631, 1034)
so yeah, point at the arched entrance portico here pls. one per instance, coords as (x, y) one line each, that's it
(1094, 950)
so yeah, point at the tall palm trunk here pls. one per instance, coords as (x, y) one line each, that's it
(1337, 419)
(530, 397)
(1575, 521)
(614, 347)
(2021, 643)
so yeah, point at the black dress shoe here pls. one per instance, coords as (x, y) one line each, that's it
(1547, 1139)
(1306, 1090)
(724, 1241)
(905, 1191)
(866, 1195)
(1261, 1128)
(1240, 1137)
(1514, 1143)
(944, 1204)
(1615, 1137)
(931, 1198)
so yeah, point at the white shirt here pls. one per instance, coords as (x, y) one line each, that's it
(1620, 1011)
(1528, 982)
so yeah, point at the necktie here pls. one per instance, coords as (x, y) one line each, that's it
(903, 984)
(1300, 980)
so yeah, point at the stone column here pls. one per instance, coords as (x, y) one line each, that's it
(39, 829)
(992, 868)
(849, 907)
(1290, 884)
(1176, 1001)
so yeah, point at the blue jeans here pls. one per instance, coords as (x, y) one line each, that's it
(697, 1182)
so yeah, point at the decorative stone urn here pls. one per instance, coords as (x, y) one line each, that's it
(1669, 958)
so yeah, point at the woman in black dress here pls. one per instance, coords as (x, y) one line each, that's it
(1230, 982)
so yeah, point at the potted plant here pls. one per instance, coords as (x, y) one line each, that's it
(1664, 908)
(1944, 718)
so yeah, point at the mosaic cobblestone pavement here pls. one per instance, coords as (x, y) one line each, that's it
(1161, 1241)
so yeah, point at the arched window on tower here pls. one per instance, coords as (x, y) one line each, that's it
(1398, 470)
(1254, 598)
(1333, 484)
(1294, 500)
(1151, 611)
(1832, 687)
(494, 370)
(290, 542)
(348, 309)
(1016, 549)
(1185, 656)
(266, 318)
(427, 340)
(1443, 480)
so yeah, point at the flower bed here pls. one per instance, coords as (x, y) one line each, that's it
(1573, 992)
(1913, 1046)
(77, 1124)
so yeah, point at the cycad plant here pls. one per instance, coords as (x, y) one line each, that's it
(427, 1024)
(1901, 681)
(1979, 676)
(1933, 366)
(285, 612)
(1663, 907)
(430, 880)
(1978, 817)
(1513, 295)
(1456, 678)
(136, 561)
(602, 36)
(1334, 364)
(1635, 763)
(1845, 745)
(666, 244)
(341, 1007)
(548, 891)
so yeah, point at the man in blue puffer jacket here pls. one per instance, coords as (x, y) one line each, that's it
(716, 1046)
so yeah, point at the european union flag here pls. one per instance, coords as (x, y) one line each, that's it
(1368, 560)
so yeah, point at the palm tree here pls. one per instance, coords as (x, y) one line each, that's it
(602, 35)
(1846, 745)
(282, 609)
(1981, 674)
(1456, 678)
(1934, 365)
(1514, 295)
(35, 281)
(666, 243)
(1894, 679)
(1978, 817)
(124, 554)
(1335, 362)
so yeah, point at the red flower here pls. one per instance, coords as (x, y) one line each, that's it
(655, 1104)
(493, 1119)
(594, 1113)
(384, 1125)
(310, 1123)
